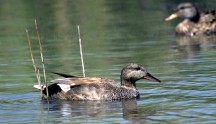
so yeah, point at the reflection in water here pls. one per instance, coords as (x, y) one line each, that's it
(91, 110)
(202, 40)
(193, 45)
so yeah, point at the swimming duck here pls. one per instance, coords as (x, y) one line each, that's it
(93, 88)
(195, 22)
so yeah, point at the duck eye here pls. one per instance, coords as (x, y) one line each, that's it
(137, 68)
(182, 8)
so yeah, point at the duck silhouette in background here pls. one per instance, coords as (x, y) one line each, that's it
(92, 88)
(195, 22)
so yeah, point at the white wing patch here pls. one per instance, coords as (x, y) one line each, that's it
(39, 87)
(64, 87)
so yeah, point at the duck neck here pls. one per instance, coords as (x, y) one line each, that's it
(128, 83)
(196, 18)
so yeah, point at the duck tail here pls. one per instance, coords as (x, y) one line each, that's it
(39, 87)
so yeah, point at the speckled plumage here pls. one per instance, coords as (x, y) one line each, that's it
(93, 88)
(104, 90)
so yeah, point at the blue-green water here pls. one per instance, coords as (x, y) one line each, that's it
(113, 34)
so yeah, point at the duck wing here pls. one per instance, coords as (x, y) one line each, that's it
(207, 23)
(208, 16)
(77, 81)
(66, 84)
(65, 75)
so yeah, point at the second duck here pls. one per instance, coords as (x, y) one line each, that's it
(195, 22)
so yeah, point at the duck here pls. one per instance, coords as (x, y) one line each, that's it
(69, 87)
(195, 22)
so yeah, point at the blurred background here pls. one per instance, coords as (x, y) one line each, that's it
(113, 33)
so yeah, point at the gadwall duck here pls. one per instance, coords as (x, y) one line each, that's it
(195, 22)
(92, 88)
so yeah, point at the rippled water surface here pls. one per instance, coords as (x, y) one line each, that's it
(113, 34)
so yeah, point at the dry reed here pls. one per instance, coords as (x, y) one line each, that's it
(34, 65)
(81, 54)
(41, 52)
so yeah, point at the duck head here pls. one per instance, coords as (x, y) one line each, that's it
(186, 11)
(134, 72)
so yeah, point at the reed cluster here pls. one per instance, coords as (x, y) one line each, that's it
(37, 72)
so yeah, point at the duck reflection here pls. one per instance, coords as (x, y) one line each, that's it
(131, 113)
(193, 45)
(92, 110)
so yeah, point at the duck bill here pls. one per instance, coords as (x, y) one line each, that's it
(171, 17)
(151, 78)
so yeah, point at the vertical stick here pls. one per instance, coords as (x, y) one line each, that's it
(34, 65)
(81, 54)
(38, 75)
(41, 52)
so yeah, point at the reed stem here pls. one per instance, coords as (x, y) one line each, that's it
(81, 54)
(34, 65)
(41, 52)
(41, 90)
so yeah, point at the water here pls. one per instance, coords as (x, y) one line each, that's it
(113, 34)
